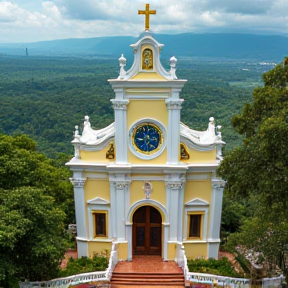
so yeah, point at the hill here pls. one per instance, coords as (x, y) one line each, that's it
(217, 45)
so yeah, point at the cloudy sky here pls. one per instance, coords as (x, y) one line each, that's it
(37, 20)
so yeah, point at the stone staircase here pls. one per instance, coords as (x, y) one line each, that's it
(147, 271)
(147, 279)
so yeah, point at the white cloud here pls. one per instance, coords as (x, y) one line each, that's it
(36, 20)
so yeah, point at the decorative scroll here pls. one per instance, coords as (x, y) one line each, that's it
(218, 183)
(110, 154)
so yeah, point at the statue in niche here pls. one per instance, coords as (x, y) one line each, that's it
(147, 59)
(183, 152)
(110, 154)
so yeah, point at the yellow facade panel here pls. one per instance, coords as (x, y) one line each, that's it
(96, 156)
(99, 248)
(122, 248)
(171, 253)
(195, 250)
(197, 189)
(158, 191)
(97, 188)
(199, 156)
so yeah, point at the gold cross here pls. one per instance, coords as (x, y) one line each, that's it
(147, 13)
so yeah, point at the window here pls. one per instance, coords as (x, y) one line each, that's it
(100, 219)
(195, 225)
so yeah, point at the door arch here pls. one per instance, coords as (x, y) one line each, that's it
(147, 229)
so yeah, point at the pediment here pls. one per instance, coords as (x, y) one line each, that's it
(197, 202)
(98, 201)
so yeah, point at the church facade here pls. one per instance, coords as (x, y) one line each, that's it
(147, 182)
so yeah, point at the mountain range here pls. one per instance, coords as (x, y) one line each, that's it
(217, 45)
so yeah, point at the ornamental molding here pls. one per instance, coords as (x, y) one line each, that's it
(218, 183)
(99, 201)
(196, 202)
(119, 104)
(121, 184)
(174, 185)
(78, 182)
(174, 104)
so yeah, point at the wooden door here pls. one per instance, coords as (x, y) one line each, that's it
(147, 231)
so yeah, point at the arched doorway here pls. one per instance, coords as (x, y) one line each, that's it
(147, 223)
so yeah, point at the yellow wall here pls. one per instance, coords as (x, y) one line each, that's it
(99, 248)
(197, 189)
(139, 109)
(122, 251)
(199, 156)
(171, 251)
(158, 191)
(97, 156)
(97, 188)
(195, 250)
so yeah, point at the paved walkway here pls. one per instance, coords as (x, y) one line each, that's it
(147, 264)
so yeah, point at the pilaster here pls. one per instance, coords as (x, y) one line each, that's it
(216, 208)
(80, 212)
(120, 207)
(174, 106)
(120, 112)
(175, 193)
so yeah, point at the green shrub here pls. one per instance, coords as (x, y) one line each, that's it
(211, 266)
(85, 265)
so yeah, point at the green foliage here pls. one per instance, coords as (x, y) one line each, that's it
(211, 266)
(36, 201)
(45, 97)
(258, 169)
(85, 265)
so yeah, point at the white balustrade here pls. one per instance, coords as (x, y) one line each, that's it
(67, 281)
(113, 260)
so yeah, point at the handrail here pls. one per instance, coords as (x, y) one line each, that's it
(182, 259)
(113, 260)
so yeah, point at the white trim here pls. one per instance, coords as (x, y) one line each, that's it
(98, 207)
(99, 201)
(196, 205)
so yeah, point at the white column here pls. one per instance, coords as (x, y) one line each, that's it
(113, 206)
(80, 212)
(215, 217)
(173, 134)
(129, 239)
(121, 143)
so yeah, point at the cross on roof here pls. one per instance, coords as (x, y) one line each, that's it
(147, 13)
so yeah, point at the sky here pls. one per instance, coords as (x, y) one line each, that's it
(36, 20)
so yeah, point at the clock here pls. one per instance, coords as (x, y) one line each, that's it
(147, 137)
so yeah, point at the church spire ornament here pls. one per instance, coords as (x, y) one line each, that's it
(147, 13)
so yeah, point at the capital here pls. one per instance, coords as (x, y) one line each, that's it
(174, 185)
(174, 104)
(78, 182)
(119, 104)
(217, 183)
(121, 184)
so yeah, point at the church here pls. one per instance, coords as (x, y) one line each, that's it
(147, 182)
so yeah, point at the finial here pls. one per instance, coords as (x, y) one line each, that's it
(147, 13)
(122, 63)
(173, 62)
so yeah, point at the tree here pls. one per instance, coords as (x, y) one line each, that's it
(258, 169)
(35, 201)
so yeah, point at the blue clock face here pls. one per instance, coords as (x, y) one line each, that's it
(147, 137)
